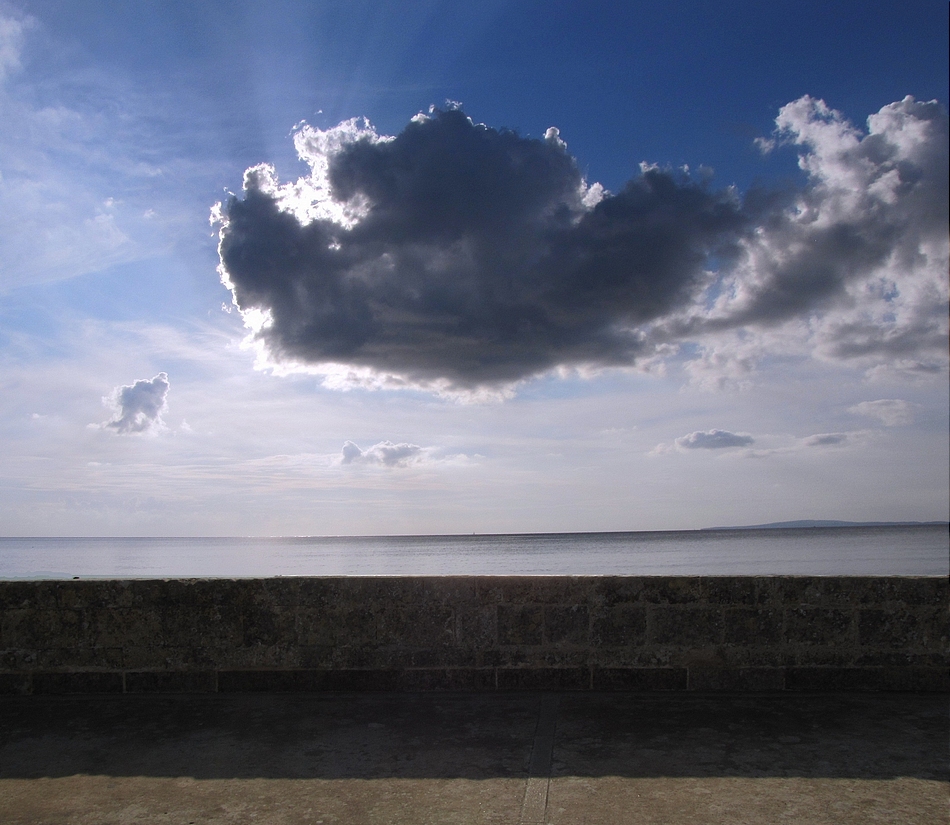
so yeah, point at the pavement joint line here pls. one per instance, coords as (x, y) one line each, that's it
(535, 804)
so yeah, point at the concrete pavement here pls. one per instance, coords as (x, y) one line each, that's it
(515, 758)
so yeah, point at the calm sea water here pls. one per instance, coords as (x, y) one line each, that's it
(904, 550)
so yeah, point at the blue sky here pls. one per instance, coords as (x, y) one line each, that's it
(716, 294)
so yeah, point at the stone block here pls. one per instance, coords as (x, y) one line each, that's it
(143, 656)
(76, 682)
(14, 684)
(661, 656)
(357, 657)
(736, 679)
(894, 629)
(27, 595)
(520, 624)
(523, 590)
(269, 625)
(268, 681)
(543, 679)
(118, 627)
(18, 659)
(566, 625)
(738, 590)
(919, 679)
(335, 626)
(200, 681)
(449, 679)
(614, 590)
(410, 625)
(824, 591)
(639, 678)
(685, 626)
(909, 591)
(278, 655)
(276, 591)
(390, 590)
(82, 658)
(328, 594)
(476, 626)
(42, 629)
(359, 680)
(835, 678)
(620, 625)
(441, 657)
(752, 626)
(450, 590)
(819, 626)
(897, 658)
(672, 590)
(207, 624)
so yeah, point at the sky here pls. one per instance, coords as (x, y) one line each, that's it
(367, 267)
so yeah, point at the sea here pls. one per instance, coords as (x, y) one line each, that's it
(916, 550)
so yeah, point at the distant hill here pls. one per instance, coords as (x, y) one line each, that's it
(825, 523)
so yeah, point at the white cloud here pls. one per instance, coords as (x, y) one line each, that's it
(11, 43)
(138, 407)
(385, 454)
(892, 412)
(854, 268)
(713, 440)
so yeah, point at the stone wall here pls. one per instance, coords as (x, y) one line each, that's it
(475, 633)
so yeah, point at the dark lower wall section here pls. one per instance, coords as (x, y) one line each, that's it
(475, 633)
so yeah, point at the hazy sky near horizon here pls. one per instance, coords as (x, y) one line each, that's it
(366, 267)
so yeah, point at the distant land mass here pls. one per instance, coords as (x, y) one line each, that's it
(826, 523)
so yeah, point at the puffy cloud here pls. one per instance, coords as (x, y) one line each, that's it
(713, 440)
(385, 453)
(891, 411)
(139, 406)
(458, 257)
(854, 264)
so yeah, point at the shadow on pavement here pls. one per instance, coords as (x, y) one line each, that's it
(475, 736)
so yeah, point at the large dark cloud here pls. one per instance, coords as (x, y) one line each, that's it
(477, 260)
(465, 255)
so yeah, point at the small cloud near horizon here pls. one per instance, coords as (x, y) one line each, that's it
(826, 439)
(713, 440)
(384, 453)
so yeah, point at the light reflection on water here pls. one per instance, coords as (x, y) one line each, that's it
(902, 550)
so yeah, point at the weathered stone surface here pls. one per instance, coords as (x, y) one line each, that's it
(475, 633)
(752, 626)
(520, 624)
(566, 625)
(819, 626)
(685, 626)
(620, 625)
